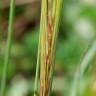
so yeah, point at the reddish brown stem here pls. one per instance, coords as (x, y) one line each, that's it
(48, 53)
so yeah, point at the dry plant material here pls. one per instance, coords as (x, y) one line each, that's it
(50, 17)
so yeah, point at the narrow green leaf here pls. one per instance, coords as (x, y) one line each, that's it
(89, 56)
(8, 48)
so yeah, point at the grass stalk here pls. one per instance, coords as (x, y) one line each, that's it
(56, 14)
(8, 48)
(38, 59)
(37, 70)
(37, 74)
(50, 15)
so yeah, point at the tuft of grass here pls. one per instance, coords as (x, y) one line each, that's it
(8, 48)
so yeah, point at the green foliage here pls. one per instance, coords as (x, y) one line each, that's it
(89, 12)
(69, 52)
(30, 42)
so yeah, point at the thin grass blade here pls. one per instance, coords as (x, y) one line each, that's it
(8, 48)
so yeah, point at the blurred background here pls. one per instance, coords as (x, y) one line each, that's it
(77, 33)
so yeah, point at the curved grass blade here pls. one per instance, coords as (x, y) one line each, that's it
(89, 56)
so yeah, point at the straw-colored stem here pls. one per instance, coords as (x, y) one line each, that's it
(49, 31)
(38, 60)
(8, 48)
(56, 13)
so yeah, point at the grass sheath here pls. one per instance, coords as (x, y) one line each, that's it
(8, 48)
(49, 25)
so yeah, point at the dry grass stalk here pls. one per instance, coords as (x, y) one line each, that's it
(50, 15)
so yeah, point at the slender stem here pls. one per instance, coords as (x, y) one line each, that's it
(43, 30)
(38, 60)
(37, 75)
(37, 71)
(56, 13)
(8, 47)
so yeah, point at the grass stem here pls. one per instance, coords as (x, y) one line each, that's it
(50, 15)
(8, 48)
